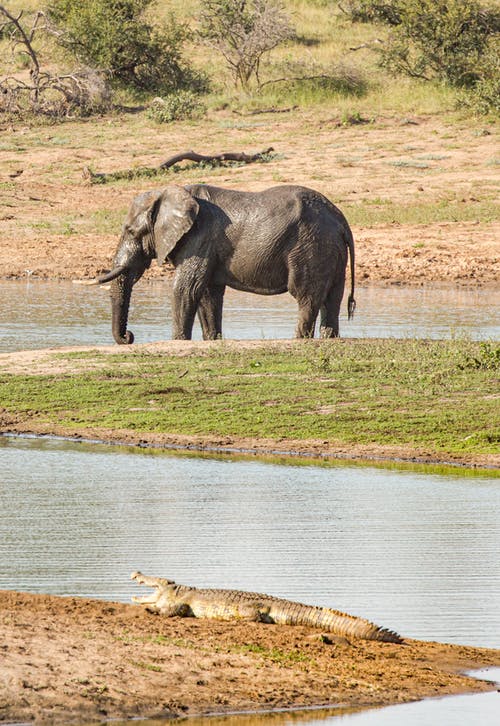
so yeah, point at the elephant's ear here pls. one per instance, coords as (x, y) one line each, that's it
(172, 215)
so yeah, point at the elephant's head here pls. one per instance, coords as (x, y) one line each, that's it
(155, 223)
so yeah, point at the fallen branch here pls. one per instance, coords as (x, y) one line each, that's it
(217, 159)
(370, 44)
(258, 111)
(47, 93)
(92, 177)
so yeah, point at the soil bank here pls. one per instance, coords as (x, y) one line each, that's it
(78, 660)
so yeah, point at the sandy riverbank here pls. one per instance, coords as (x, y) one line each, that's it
(77, 660)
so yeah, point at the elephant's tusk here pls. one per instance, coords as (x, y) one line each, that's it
(85, 282)
(112, 274)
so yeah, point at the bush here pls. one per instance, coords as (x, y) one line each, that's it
(371, 11)
(243, 31)
(443, 39)
(115, 37)
(484, 96)
(176, 107)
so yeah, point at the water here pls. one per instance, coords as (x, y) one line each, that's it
(45, 314)
(466, 710)
(411, 551)
(414, 552)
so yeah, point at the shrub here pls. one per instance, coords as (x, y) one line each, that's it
(484, 96)
(444, 39)
(243, 31)
(369, 11)
(176, 107)
(115, 37)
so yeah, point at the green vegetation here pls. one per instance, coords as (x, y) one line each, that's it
(371, 212)
(436, 395)
(176, 107)
(282, 657)
(397, 54)
(146, 666)
(455, 41)
(116, 38)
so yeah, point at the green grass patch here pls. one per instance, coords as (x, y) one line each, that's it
(146, 666)
(282, 657)
(371, 212)
(437, 395)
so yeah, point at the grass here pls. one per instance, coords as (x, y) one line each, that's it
(372, 212)
(284, 658)
(146, 666)
(326, 42)
(441, 396)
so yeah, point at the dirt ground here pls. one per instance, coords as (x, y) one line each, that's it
(74, 660)
(53, 224)
(77, 660)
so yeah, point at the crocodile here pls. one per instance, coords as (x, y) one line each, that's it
(170, 599)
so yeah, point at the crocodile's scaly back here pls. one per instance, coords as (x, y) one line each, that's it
(173, 599)
(287, 612)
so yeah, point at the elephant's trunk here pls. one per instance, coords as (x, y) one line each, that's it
(111, 275)
(121, 290)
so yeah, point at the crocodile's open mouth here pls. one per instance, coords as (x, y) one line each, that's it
(154, 582)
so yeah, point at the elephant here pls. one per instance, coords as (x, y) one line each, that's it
(284, 238)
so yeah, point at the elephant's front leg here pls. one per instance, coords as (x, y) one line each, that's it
(189, 286)
(210, 311)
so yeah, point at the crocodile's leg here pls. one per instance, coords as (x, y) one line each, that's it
(169, 610)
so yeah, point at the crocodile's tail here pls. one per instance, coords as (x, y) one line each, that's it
(337, 622)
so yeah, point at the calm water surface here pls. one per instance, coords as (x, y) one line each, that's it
(414, 552)
(43, 314)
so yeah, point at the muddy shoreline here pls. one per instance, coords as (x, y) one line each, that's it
(69, 660)
(312, 451)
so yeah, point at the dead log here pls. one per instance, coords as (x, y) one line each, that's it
(93, 177)
(215, 159)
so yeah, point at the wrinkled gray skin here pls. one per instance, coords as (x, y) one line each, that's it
(285, 238)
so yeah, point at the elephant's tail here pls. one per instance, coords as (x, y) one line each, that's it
(351, 302)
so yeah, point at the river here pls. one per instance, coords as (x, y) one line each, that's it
(37, 314)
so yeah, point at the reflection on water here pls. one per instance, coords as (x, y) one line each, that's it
(44, 314)
(272, 718)
(414, 552)
(467, 710)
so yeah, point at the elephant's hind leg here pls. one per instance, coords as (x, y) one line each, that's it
(330, 311)
(308, 312)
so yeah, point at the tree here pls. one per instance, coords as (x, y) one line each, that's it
(443, 39)
(36, 89)
(116, 37)
(243, 31)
